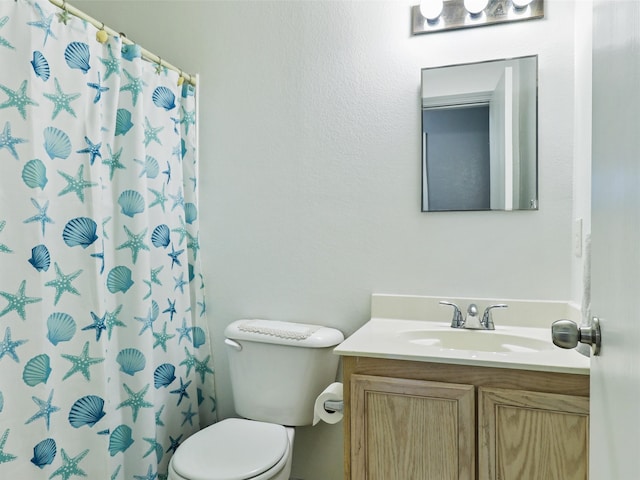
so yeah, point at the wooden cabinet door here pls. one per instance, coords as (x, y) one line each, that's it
(532, 436)
(411, 429)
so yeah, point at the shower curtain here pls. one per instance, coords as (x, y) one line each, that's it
(105, 361)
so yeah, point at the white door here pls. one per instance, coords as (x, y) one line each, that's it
(615, 374)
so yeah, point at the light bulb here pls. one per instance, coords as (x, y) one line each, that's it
(431, 9)
(521, 3)
(475, 7)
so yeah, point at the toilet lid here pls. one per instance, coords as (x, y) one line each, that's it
(233, 449)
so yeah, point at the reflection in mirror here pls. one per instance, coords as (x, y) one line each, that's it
(479, 136)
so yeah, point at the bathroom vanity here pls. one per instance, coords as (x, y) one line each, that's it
(418, 409)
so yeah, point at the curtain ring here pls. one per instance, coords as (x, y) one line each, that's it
(63, 16)
(180, 79)
(159, 66)
(102, 36)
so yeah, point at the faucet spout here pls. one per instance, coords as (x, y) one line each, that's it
(472, 320)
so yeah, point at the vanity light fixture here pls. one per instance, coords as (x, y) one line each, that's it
(438, 15)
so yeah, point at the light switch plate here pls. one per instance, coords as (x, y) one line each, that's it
(577, 237)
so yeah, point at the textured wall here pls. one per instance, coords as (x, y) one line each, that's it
(310, 148)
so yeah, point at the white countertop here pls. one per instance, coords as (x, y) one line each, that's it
(408, 339)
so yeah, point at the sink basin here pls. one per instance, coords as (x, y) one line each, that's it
(476, 340)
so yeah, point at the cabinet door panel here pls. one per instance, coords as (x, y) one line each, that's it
(532, 435)
(411, 429)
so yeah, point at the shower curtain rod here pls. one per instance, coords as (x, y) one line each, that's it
(146, 54)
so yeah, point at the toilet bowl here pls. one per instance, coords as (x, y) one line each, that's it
(235, 449)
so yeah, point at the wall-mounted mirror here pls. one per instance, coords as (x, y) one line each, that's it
(479, 136)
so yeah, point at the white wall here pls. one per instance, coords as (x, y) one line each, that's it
(310, 148)
(581, 284)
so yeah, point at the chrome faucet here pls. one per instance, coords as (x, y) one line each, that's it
(487, 318)
(472, 321)
(457, 321)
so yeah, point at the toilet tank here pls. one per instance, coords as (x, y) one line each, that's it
(279, 368)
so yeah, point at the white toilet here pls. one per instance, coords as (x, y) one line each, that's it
(277, 370)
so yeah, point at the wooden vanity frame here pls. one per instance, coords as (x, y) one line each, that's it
(483, 379)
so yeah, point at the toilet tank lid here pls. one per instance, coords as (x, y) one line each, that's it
(284, 333)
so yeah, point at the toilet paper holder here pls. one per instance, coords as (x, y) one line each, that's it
(333, 406)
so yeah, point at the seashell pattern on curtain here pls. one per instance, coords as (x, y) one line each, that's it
(105, 359)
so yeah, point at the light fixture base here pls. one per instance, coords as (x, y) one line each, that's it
(455, 16)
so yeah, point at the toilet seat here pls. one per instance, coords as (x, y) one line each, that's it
(233, 449)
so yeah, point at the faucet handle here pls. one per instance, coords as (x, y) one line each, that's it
(457, 321)
(487, 318)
